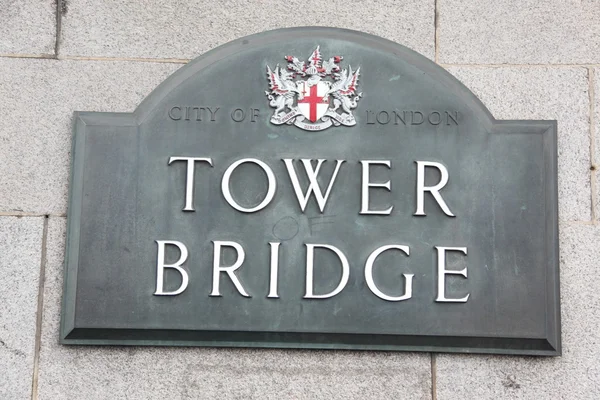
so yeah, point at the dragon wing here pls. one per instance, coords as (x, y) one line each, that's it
(330, 66)
(340, 82)
(351, 83)
(275, 83)
(315, 58)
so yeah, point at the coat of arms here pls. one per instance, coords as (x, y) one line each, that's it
(324, 94)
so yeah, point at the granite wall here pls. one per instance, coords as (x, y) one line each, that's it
(525, 59)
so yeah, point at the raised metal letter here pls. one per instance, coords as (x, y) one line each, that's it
(369, 274)
(274, 270)
(189, 180)
(160, 267)
(364, 208)
(310, 256)
(434, 190)
(270, 191)
(442, 272)
(217, 269)
(313, 187)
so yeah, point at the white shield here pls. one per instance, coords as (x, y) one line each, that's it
(312, 102)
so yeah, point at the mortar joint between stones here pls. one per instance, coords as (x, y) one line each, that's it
(433, 377)
(436, 34)
(40, 308)
(592, 130)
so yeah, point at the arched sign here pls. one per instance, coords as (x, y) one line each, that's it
(313, 188)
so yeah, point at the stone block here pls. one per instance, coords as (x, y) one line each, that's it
(186, 29)
(545, 93)
(27, 27)
(68, 372)
(20, 258)
(519, 32)
(37, 101)
(574, 375)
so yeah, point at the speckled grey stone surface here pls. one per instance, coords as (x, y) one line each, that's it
(20, 258)
(545, 93)
(75, 372)
(575, 375)
(37, 101)
(186, 29)
(519, 31)
(27, 26)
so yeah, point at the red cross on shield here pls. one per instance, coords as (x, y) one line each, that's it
(312, 102)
